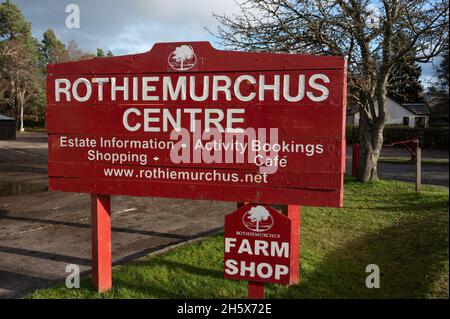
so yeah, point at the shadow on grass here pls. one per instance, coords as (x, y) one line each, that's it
(184, 267)
(411, 257)
(143, 290)
(152, 287)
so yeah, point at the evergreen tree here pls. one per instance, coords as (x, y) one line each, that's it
(12, 23)
(100, 53)
(439, 93)
(53, 50)
(404, 81)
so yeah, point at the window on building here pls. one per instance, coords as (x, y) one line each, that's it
(420, 121)
(406, 121)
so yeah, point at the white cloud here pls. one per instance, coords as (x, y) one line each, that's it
(127, 26)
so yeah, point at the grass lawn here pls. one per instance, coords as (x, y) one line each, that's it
(384, 223)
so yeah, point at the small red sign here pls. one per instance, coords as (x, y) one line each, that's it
(258, 245)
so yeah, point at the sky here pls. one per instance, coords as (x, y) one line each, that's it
(126, 27)
(133, 26)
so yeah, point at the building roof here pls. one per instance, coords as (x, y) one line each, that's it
(5, 118)
(417, 108)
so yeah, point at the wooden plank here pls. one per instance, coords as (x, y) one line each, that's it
(252, 87)
(188, 176)
(227, 192)
(210, 60)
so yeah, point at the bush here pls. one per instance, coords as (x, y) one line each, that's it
(352, 134)
(434, 138)
(33, 122)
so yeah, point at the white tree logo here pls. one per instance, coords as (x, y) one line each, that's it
(258, 219)
(182, 58)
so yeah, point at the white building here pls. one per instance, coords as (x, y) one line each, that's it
(407, 114)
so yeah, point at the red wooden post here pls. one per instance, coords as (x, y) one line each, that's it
(355, 159)
(293, 213)
(255, 290)
(101, 242)
(413, 152)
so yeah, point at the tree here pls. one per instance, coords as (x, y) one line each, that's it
(53, 50)
(404, 85)
(12, 23)
(19, 59)
(439, 91)
(442, 72)
(404, 81)
(366, 32)
(74, 51)
(100, 53)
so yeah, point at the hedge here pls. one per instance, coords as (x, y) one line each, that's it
(33, 123)
(434, 138)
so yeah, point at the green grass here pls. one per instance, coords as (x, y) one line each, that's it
(384, 222)
(35, 129)
(407, 160)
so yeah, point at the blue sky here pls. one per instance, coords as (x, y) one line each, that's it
(133, 26)
(126, 27)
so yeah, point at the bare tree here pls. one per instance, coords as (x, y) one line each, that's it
(364, 31)
(18, 71)
(74, 52)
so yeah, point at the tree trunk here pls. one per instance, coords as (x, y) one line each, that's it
(21, 100)
(21, 118)
(371, 141)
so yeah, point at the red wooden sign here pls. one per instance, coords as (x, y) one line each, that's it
(258, 246)
(185, 120)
